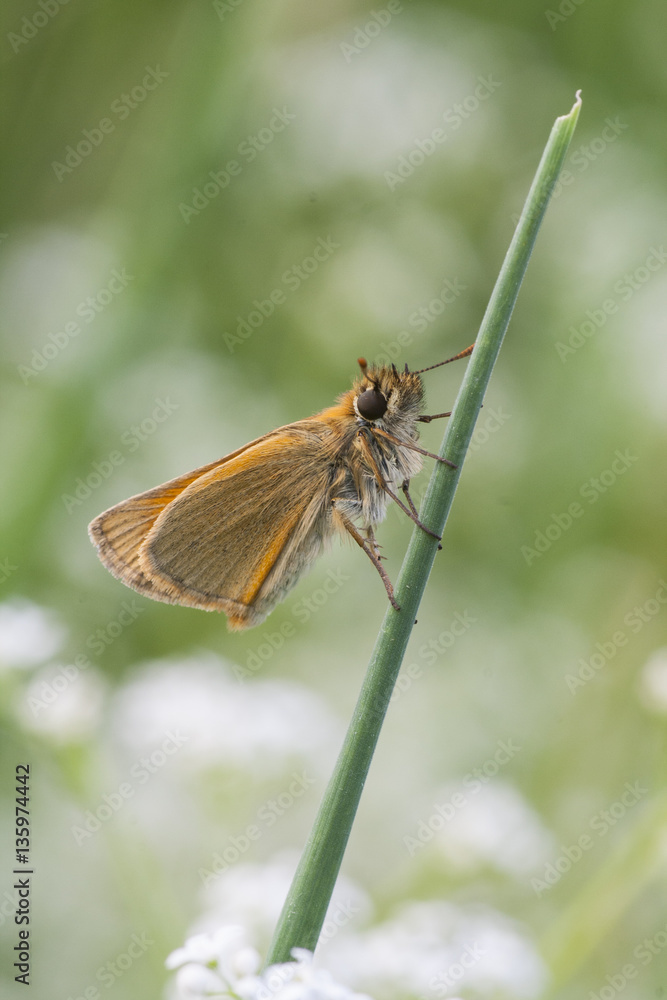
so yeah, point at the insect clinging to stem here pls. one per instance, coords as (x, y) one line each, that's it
(236, 535)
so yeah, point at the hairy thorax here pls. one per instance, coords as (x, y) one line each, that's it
(363, 498)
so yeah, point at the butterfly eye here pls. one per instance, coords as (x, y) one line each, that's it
(371, 404)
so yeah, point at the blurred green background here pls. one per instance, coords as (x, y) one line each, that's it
(166, 169)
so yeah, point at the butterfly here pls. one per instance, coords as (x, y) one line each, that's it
(236, 535)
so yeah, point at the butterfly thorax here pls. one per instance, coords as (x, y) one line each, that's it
(363, 457)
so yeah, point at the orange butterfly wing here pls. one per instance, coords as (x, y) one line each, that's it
(232, 536)
(119, 532)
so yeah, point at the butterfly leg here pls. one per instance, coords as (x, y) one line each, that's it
(372, 540)
(410, 511)
(413, 447)
(369, 548)
(433, 416)
(427, 418)
(405, 487)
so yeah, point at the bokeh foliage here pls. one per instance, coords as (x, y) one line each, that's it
(556, 417)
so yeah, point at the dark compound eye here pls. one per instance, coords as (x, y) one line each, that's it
(371, 404)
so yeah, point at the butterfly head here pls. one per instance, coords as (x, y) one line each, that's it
(385, 393)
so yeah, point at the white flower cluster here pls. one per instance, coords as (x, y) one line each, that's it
(221, 965)
(259, 727)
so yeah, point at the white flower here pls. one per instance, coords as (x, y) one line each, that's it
(435, 948)
(28, 634)
(299, 980)
(254, 894)
(258, 726)
(495, 826)
(220, 965)
(63, 706)
(217, 964)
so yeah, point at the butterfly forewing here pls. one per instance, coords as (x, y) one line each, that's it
(120, 531)
(214, 538)
(233, 537)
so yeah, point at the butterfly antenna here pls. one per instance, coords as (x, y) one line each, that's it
(462, 354)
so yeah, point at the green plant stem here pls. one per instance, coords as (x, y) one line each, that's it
(307, 901)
